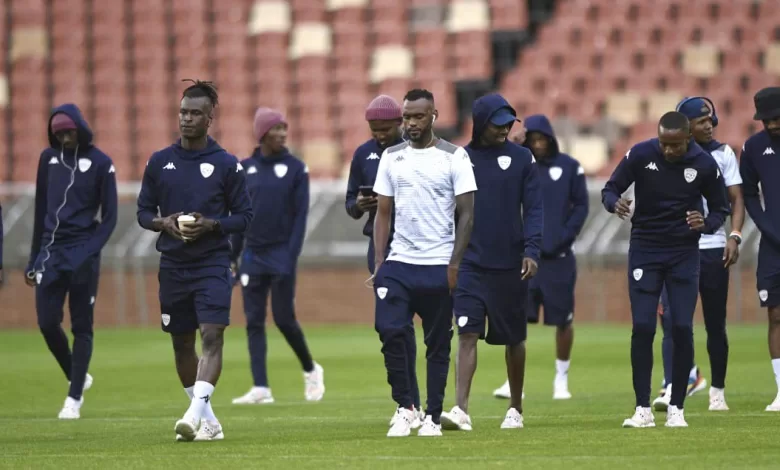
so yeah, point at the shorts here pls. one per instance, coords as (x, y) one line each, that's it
(553, 289)
(195, 296)
(768, 276)
(498, 295)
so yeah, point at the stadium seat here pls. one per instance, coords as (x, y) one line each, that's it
(310, 39)
(391, 62)
(701, 60)
(508, 15)
(269, 17)
(772, 59)
(468, 15)
(322, 157)
(624, 108)
(659, 103)
(28, 42)
(27, 13)
(591, 151)
(306, 11)
(4, 91)
(334, 5)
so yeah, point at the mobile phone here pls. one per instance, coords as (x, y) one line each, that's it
(367, 191)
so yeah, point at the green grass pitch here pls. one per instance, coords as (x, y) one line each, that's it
(128, 416)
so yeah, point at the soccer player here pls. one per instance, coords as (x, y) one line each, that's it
(565, 210)
(425, 180)
(670, 174)
(278, 185)
(196, 177)
(501, 256)
(384, 121)
(717, 254)
(76, 183)
(759, 165)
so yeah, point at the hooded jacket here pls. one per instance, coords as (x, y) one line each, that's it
(75, 199)
(209, 181)
(759, 164)
(278, 187)
(508, 212)
(564, 191)
(664, 192)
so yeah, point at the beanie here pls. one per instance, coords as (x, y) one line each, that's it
(62, 122)
(383, 108)
(265, 119)
(695, 108)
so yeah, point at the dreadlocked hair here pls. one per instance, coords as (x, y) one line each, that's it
(200, 89)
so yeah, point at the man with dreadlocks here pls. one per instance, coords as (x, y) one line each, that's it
(195, 177)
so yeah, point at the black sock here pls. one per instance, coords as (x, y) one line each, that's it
(82, 354)
(294, 335)
(258, 348)
(58, 345)
(642, 362)
(681, 367)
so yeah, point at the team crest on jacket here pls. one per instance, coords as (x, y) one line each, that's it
(504, 162)
(556, 172)
(381, 292)
(690, 175)
(166, 319)
(280, 169)
(84, 164)
(206, 169)
(638, 274)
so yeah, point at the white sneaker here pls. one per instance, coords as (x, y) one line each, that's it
(187, 428)
(456, 420)
(419, 416)
(513, 420)
(429, 428)
(255, 396)
(662, 402)
(209, 431)
(561, 388)
(775, 405)
(504, 391)
(87, 383)
(675, 418)
(402, 426)
(718, 400)
(314, 383)
(643, 418)
(71, 409)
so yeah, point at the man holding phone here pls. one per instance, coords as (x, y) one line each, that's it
(384, 120)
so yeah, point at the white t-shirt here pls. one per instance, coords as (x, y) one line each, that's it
(424, 184)
(729, 167)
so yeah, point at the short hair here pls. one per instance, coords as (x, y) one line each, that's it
(199, 89)
(674, 120)
(418, 94)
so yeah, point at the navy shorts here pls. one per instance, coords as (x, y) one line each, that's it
(498, 295)
(553, 289)
(195, 296)
(768, 275)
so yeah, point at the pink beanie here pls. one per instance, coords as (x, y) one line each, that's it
(383, 108)
(265, 119)
(62, 122)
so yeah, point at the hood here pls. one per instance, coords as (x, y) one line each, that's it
(539, 123)
(211, 148)
(275, 158)
(711, 145)
(483, 109)
(73, 112)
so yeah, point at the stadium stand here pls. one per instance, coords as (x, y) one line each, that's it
(604, 70)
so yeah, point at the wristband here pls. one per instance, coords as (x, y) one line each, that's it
(737, 236)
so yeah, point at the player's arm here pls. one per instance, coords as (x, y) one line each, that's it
(714, 191)
(734, 186)
(353, 189)
(618, 183)
(301, 208)
(41, 188)
(752, 198)
(383, 187)
(578, 196)
(465, 185)
(533, 213)
(147, 201)
(239, 205)
(109, 210)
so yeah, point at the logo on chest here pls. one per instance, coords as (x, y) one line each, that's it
(206, 169)
(556, 172)
(504, 162)
(280, 169)
(690, 175)
(84, 164)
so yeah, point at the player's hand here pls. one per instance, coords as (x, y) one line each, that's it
(366, 203)
(695, 220)
(529, 268)
(1, 278)
(623, 208)
(197, 229)
(168, 225)
(452, 276)
(29, 278)
(730, 253)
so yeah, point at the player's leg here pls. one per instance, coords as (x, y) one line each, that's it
(393, 314)
(644, 289)
(470, 312)
(283, 308)
(774, 346)
(667, 352)
(532, 306)
(254, 290)
(714, 291)
(768, 284)
(557, 284)
(682, 285)
(433, 302)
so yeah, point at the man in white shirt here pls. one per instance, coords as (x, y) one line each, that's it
(717, 253)
(426, 180)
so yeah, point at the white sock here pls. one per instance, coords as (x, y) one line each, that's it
(561, 368)
(73, 402)
(208, 412)
(201, 396)
(716, 391)
(188, 391)
(776, 367)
